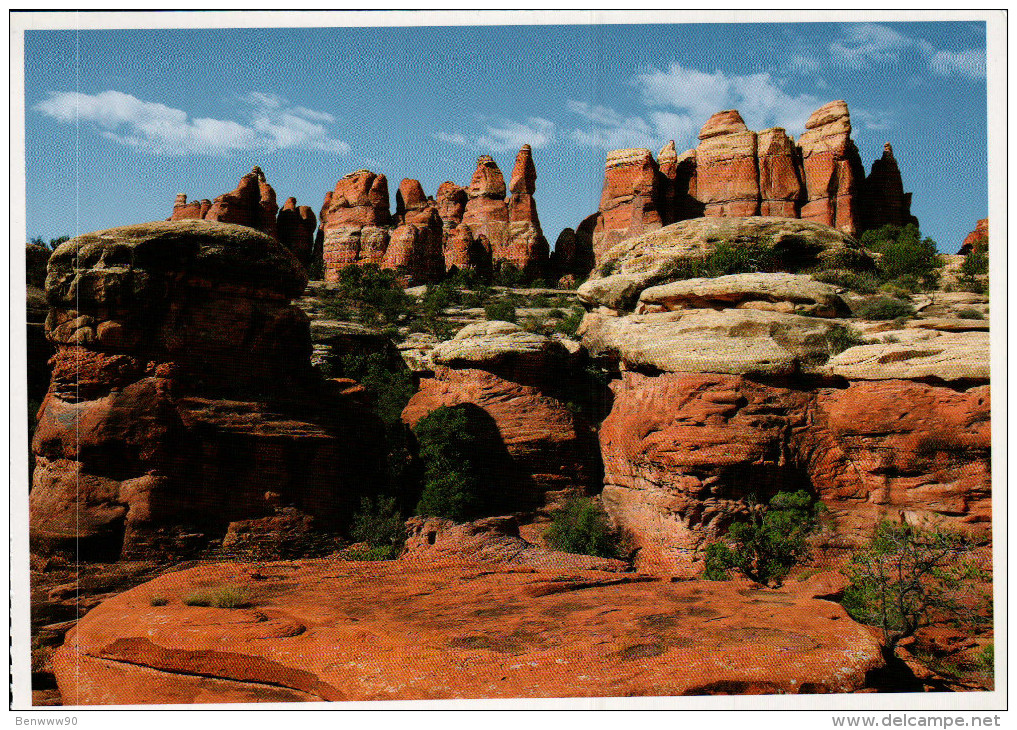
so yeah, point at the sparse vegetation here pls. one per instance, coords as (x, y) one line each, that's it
(51, 244)
(221, 597)
(158, 601)
(500, 310)
(970, 314)
(380, 525)
(974, 271)
(842, 337)
(909, 576)
(725, 258)
(569, 325)
(860, 282)
(370, 553)
(770, 543)
(369, 295)
(449, 450)
(582, 527)
(906, 259)
(882, 308)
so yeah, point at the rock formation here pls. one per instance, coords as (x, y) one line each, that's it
(182, 396)
(737, 172)
(473, 227)
(978, 238)
(726, 169)
(526, 247)
(296, 228)
(727, 390)
(38, 349)
(355, 219)
(514, 376)
(251, 204)
(539, 632)
(885, 201)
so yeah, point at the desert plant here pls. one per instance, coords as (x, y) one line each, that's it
(500, 310)
(909, 576)
(861, 282)
(449, 448)
(379, 524)
(970, 314)
(905, 257)
(220, 597)
(882, 308)
(158, 601)
(581, 526)
(771, 542)
(370, 553)
(508, 274)
(841, 337)
(569, 325)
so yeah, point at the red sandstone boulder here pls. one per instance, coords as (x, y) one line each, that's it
(524, 174)
(628, 201)
(884, 201)
(410, 196)
(683, 451)
(451, 201)
(726, 170)
(397, 630)
(296, 228)
(486, 213)
(464, 252)
(251, 204)
(353, 221)
(978, 238)
(487, 181)
(780, 186)
(833, 169)
(511, 375)
(182, 393)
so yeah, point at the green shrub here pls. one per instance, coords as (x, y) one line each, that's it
(158, 601)
(500, 310)
(379, 524)
(569, 325)
(909, 576)
(582, 527)
(534, 324)
(771, 542)
(861, 282)
(885, 308)
(370, 553)
(508, 274)
(970, 314)
(841, 337)
(368, 294)
(449, 447)
(976, 263)
(719, 560)
(222, 597)
(724, 259)
(906, 257)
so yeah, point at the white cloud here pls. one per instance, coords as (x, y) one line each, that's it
(863, 45)
(504, 135)
(163, 130)
(866, 45)
(610, 130)
(969, 64)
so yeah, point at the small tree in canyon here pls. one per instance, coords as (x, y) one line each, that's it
(770, 543)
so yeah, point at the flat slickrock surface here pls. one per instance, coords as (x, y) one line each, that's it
(328, 630)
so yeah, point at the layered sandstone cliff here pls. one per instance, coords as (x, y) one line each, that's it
(735, 172)
(182, 396)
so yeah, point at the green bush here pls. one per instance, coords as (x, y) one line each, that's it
(771, 542)
(909, 576)
(370, 553)
(508, 274)
(841, 337)
(885, 308)
(582, 527)
(449, 447)
(861, 282)
(724, 259)
(222, 597)
(569, 325)
(368, 294)
(970, 314)
(906, 257)
(500, 310)
(379, 524)
(158, 601)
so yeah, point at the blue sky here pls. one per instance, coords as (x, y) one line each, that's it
(119, 121)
